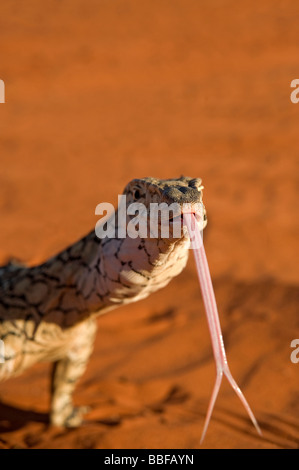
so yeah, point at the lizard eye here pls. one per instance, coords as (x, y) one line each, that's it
(137, 194)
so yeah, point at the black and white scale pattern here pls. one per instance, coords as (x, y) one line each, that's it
(47, 312)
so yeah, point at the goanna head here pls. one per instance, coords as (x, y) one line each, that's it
(182, 194)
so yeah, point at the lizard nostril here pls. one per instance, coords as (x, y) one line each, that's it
(195, 183)
(182, 194)
(184, 190)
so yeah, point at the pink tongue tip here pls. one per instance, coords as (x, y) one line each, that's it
(213, 322)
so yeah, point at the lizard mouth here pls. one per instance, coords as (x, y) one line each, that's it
(180, 217)
(180, 220)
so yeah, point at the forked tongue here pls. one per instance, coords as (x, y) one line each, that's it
(213, 321)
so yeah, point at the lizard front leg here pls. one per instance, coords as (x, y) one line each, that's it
(66, 373)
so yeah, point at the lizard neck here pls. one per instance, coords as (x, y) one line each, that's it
(96, 275)
(73, 281)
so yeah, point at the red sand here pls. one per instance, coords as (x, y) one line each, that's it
(98, 93)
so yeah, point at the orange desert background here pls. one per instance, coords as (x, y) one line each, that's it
(99, 92)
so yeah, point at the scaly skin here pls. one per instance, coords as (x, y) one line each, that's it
(47, 312)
